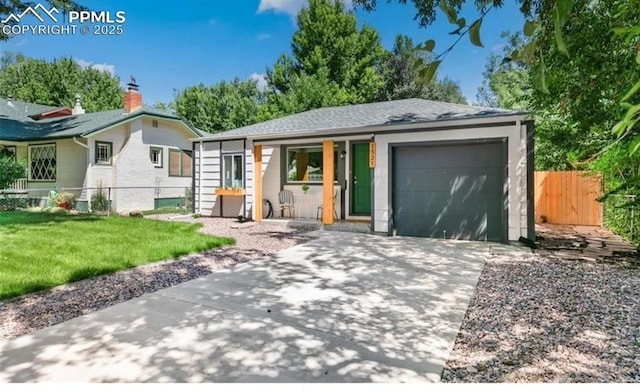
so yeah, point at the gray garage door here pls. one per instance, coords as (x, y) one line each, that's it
(449, 191)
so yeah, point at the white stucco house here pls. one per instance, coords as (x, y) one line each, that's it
(140, 155)
(409, 167)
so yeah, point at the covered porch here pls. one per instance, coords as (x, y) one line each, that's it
(325, 181)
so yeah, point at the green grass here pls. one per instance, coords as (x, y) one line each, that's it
(43, 250)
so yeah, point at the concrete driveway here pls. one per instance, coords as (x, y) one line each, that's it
(341, 308)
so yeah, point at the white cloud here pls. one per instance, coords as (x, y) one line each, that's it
(290, 7)
(262, 37)
(260, 78)
(100, 67)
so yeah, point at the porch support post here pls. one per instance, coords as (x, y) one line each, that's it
(257, 182)
(327, 182)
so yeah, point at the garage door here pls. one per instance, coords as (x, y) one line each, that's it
(449, 191)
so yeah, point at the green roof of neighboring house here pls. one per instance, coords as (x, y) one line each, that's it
(17, 125)
(364, 117)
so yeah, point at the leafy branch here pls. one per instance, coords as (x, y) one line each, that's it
(428, 70)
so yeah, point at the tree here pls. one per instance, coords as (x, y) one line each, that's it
(400, 78)
(505, 84)
(57, 82)
(10, 168)
(221, 106)
(8, 7)
(327, 49)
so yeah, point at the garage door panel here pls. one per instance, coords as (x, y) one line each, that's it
(447, 180)
(462, 198)
(450, 156)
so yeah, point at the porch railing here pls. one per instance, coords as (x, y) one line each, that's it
(18, 186)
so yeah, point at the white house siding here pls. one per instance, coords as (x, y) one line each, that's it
(71, 167)
(133, 175)
(103, 174)
(271, 176)
(208, 175)
(207, 167)
(517, 197)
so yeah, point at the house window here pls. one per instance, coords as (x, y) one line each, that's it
(304, 163)
(233, 169)
(155, 154)
(154, 123)
(42, 162)
(179, 163)
(104, 152)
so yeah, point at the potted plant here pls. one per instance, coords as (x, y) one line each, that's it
(305, 187)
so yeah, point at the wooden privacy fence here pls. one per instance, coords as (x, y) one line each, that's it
(568, 197)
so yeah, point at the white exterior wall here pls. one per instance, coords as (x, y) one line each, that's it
(271, 176)
(71, 167)
(132, 171)
(517, 170)
(208, 176)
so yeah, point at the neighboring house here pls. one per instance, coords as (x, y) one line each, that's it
(409, 167)
(140, 155)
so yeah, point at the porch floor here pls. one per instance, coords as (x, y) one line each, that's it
(316, 225)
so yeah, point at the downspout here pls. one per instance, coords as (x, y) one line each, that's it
(200, 160)
(88, 175)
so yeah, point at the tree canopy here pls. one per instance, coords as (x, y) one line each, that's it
(329, 52)
(400, 77)
(55, 83)
(221, 106)
(333, 63)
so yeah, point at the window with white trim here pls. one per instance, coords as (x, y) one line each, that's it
(104, 152)
(42, 162)
(155, 154)
(233, 170)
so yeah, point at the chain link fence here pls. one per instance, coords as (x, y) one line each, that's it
(108, 200)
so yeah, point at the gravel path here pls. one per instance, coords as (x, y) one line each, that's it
(31, 312)
(540, 319)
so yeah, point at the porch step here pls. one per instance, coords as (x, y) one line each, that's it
(316, 225)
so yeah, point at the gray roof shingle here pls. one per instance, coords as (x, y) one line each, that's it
(364, 115)
(16, 125)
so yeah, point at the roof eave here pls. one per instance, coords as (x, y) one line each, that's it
(488, 119)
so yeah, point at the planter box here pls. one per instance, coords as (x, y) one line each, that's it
(235, 192)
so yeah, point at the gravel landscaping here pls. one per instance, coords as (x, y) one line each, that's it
(542, 319)
(31, 312)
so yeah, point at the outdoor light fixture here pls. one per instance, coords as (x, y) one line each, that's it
(343, 154)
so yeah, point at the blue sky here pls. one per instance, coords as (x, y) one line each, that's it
(170, 47)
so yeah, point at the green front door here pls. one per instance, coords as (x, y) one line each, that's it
(360, 180)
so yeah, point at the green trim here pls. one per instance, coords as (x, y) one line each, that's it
(82, 206)
(161, 150)
(95, 153)
(29, 179)
(142, 113)
(159, 203)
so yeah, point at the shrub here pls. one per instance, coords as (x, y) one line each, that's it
(99, 200)
(65, 200)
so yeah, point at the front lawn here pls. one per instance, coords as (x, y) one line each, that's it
(41, 250)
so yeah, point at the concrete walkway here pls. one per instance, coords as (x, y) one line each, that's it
(342, 308)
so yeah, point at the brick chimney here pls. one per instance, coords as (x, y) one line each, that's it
(132, 97)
